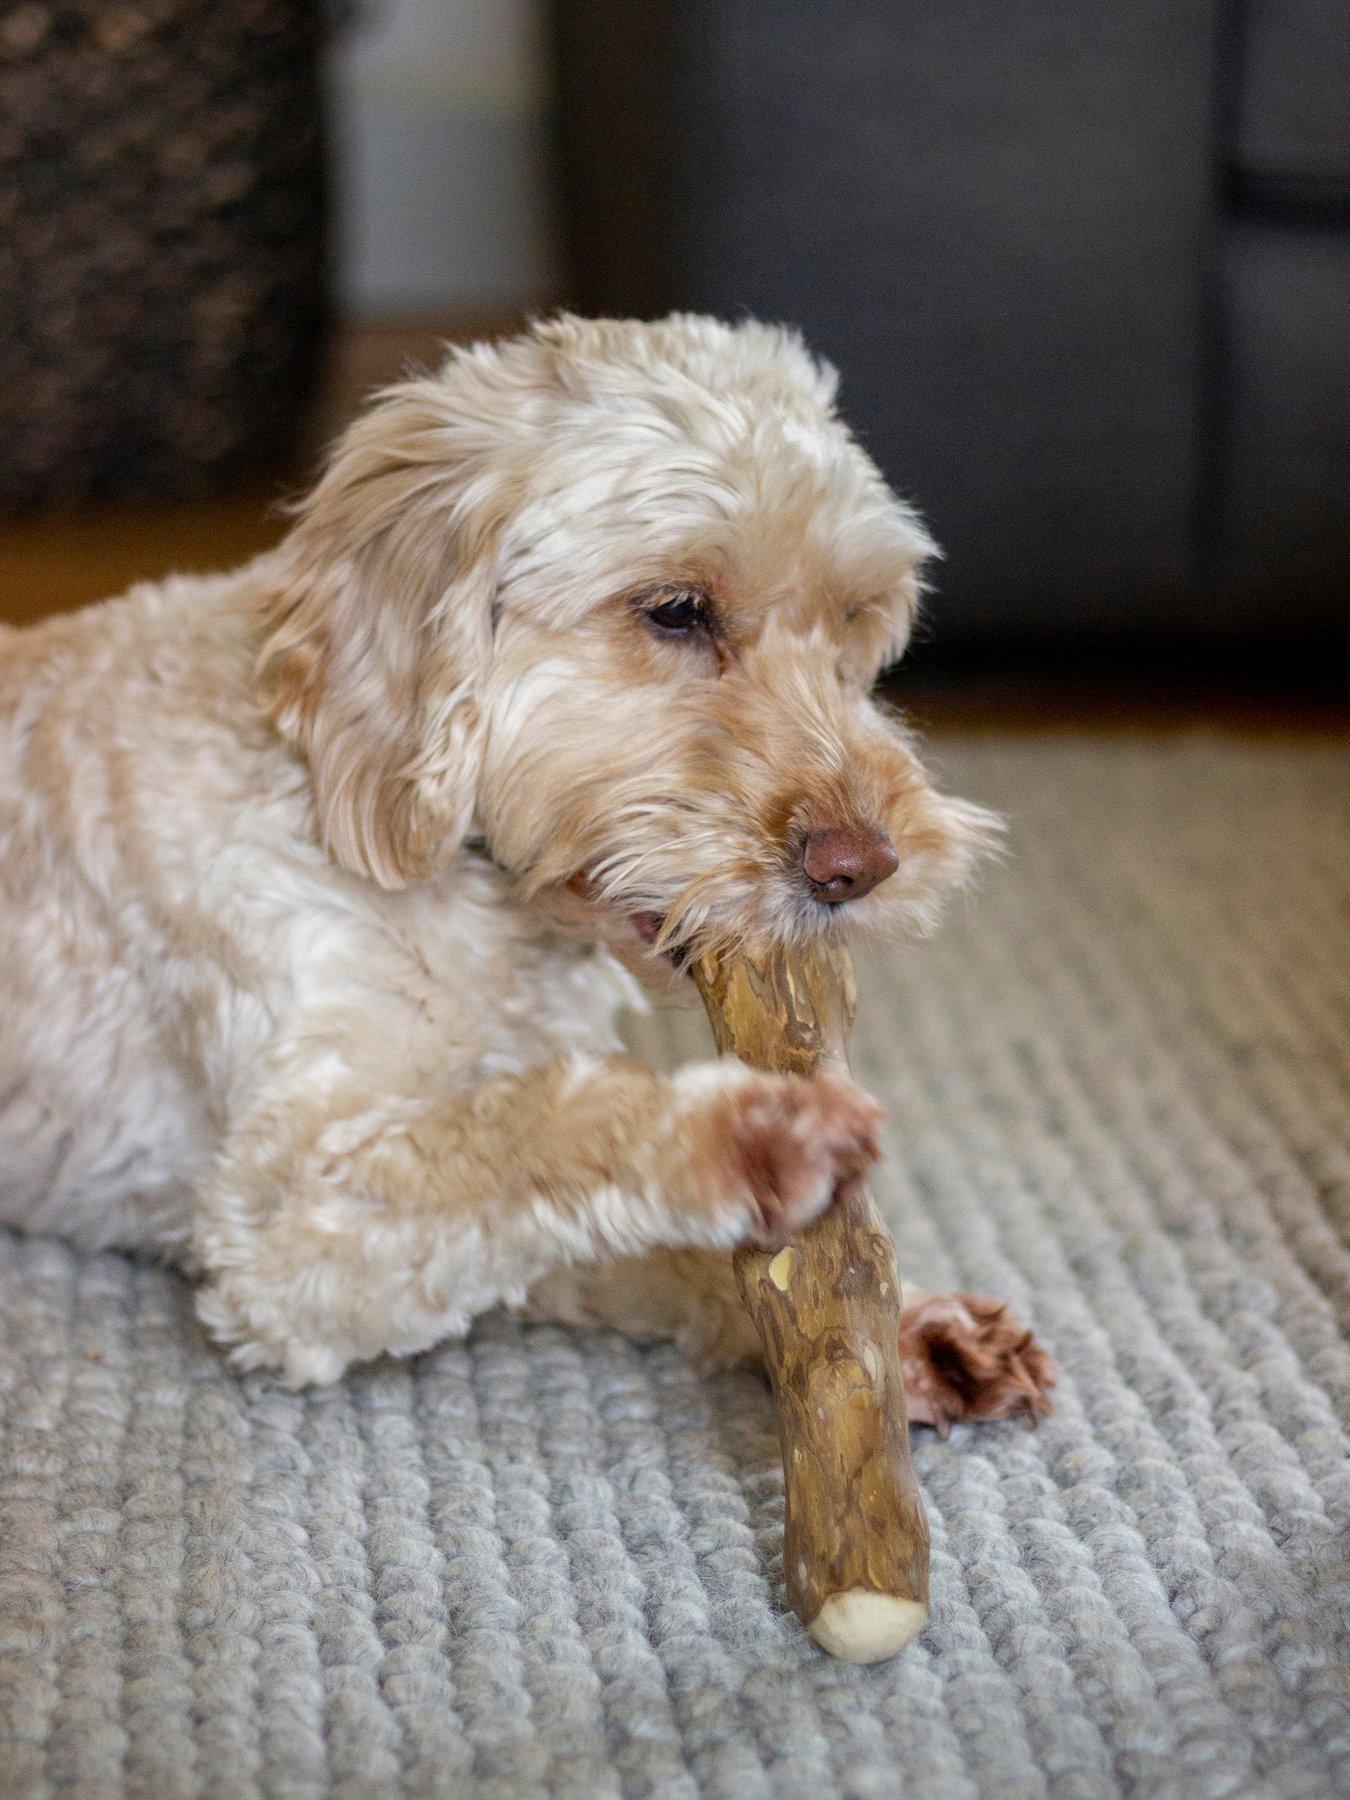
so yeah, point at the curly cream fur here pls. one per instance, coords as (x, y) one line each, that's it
(317, 879)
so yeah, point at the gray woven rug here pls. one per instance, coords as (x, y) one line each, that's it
(542, 1564)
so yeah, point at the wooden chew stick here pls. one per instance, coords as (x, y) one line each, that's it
(827, 1309)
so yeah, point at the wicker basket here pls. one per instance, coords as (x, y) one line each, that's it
(162, 230)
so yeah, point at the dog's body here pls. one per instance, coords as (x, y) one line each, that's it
(316, 880)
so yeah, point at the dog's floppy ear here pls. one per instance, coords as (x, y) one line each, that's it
(379, 631)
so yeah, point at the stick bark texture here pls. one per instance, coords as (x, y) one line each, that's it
(827, 1309)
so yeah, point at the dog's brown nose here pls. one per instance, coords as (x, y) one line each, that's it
(845, 864)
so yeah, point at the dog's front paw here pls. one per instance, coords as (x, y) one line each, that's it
(778, 1148)
(800, 1142)
(963, 1356)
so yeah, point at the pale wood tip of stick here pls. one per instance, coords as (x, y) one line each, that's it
(861, 1626)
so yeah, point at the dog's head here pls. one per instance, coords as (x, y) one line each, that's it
(612, 597)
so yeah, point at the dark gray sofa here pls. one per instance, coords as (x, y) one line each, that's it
(1084, 270)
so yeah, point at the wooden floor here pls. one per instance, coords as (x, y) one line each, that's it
(57, 561)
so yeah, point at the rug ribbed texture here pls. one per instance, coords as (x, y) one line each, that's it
(546, 1564)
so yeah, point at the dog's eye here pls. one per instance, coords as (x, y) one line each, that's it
(680, 614)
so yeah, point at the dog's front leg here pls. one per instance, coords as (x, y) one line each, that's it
(962, 1356)
(339, 1228)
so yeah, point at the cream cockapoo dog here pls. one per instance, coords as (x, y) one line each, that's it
(321, 883)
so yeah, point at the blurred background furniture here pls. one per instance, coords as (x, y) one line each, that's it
(1084, 270)
(162, 215)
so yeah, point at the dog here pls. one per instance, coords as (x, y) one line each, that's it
(322, 882)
